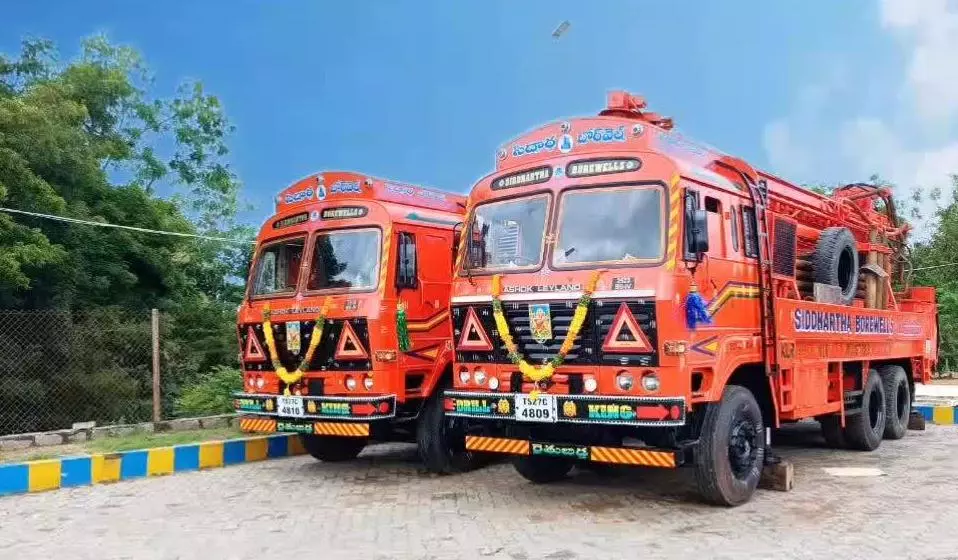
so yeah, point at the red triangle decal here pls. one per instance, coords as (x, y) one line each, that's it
(473, 336)
(349, 347)
(254, 352)
(637, 342)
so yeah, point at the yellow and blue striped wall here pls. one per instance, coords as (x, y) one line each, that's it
(946, 415)
(67, 472)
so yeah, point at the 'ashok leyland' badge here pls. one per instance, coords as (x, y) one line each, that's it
(540, 322)
(293, 341)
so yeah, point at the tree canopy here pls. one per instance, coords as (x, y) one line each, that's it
(89, 139)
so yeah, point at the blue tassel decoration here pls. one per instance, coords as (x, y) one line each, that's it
(695, 309)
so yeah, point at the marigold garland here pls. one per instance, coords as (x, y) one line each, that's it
(402, 327)
(286, 376)
(529, 371)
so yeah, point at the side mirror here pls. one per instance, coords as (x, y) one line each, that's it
(698, 232)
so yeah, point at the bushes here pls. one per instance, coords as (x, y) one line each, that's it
(212, 393)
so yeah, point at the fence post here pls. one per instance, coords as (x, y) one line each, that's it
(157, 414)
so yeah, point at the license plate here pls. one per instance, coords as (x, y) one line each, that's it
(290, 406)
(540, 409)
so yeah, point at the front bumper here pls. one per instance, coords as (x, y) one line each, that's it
(574, 409)
(593, 453)
(325, 415)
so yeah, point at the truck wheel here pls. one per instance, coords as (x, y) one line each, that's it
(332, 449)
(731, 450)
(894, 381)
(442, 440)
(542, 470)
(832, 431)
(863, 431)
(835, 262)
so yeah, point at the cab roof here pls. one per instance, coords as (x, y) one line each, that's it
(623, 125)
(329, 186)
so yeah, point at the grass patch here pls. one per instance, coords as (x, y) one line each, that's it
(146, 440)
(130, 442)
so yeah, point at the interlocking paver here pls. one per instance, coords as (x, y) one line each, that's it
(383, 506)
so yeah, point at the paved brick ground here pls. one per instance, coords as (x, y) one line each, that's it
(382, 506)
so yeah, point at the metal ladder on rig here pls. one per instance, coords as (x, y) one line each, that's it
(759, 194)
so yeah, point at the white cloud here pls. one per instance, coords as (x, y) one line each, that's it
(912, 144)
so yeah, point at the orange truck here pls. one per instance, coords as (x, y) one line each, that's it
(344, 332)
(627, 296)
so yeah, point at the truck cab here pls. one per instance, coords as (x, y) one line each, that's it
(344, 333)
(624, 295)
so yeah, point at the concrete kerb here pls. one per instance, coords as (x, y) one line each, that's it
(939, 412)
(85, 470)
(83, 431)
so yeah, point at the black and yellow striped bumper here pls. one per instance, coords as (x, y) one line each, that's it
(595, 454)
(259, 424)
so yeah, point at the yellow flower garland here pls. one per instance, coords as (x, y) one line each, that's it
(529, 371)
(287, 377)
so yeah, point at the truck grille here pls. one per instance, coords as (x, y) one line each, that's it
(324, 357)
(587, 350)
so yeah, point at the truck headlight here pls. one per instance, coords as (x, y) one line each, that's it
(650, 382)
(590, 384)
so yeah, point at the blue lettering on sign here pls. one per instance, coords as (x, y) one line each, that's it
(403, 190)
(602, 135)
(300, 196)
(547, 145)
(675, 144)
(831, 322)
(344, 187)
(874, 325)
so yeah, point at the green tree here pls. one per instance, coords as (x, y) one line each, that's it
(89, 139)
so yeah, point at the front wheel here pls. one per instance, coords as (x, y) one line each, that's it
(442, 440)
(542, 470)
(731, 450)
(332, 449)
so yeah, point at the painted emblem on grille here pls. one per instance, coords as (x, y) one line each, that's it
(293, 340)
(540, 322)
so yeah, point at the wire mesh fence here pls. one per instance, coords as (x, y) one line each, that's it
(57, 368)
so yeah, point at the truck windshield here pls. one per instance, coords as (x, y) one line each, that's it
(609, 224)
(345, 259)
(508, 234)
(277, 267)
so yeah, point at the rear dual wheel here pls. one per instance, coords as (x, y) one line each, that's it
(864, 430)
(894, 380)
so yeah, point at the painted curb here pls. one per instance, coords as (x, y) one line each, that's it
(85, 470)
(943, 415)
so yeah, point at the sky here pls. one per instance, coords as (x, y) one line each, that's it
(815, 91)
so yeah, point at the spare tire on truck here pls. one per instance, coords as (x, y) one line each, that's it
(835, 262)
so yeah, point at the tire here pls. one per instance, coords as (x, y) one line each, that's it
(441, 440)
(894, 381)
(731, 450)
(832, 431)
(835, 262)
(542, 470)
(333, 449)
(863, 431)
